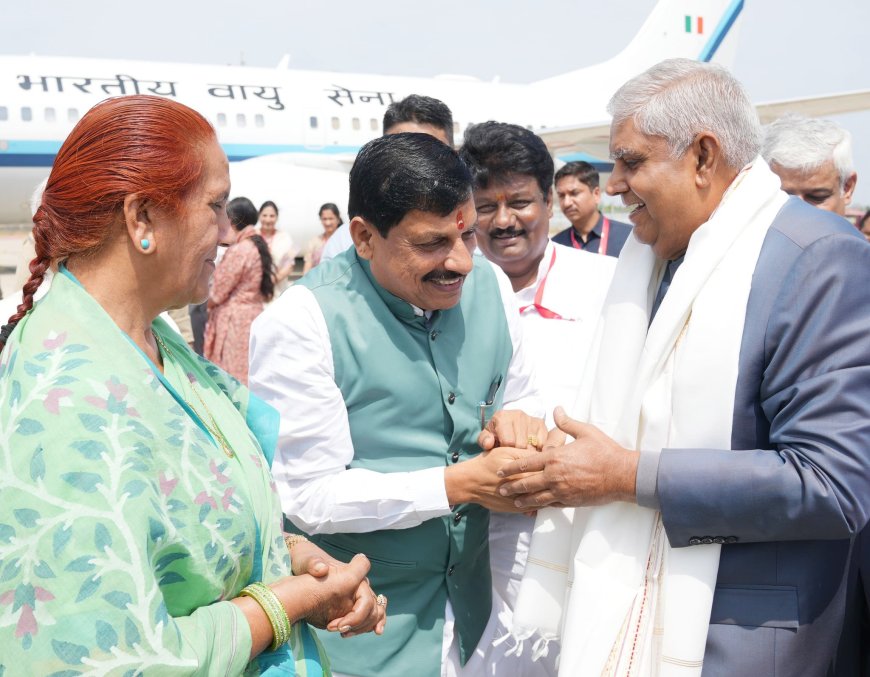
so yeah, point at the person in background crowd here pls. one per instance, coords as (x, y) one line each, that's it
(330, 218)
(813, 159)
(386, 363)
(280, 243)
(414, 113)
(513, 194)
(579, 195)
(139, 527)
(722, 453)
(243, 283)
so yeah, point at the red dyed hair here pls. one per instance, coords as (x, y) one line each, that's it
(132, 144)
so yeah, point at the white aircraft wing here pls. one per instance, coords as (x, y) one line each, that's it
(830, 104)
(594, 138)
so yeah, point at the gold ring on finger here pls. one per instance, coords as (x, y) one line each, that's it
(534, 441)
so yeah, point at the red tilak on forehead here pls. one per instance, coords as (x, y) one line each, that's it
(460, 222)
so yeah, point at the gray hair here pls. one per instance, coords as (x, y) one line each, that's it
(679, 98)
(797, 142)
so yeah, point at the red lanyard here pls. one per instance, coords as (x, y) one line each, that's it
(605, 235)
(546, 313)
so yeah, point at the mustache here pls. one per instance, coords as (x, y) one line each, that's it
(506, 232)
(442, 276)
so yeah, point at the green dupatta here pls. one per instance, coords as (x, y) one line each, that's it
(124, 526)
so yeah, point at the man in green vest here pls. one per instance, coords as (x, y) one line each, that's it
(393, 365)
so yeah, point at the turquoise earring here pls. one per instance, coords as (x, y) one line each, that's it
(145, 242)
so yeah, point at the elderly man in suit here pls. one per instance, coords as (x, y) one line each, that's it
(725, 448)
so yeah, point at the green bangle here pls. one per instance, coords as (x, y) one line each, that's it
(263, 595)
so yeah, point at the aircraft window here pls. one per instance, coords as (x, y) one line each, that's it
(72, 114)
(26, 113)
(49, 115)
(4, 113)
(241, 120)
(222, 119)
(355, 123)
(374, 125)
(313, 122)
(336, 123)
(259, 121)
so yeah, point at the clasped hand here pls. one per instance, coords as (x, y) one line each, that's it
(343, 598)
(590, 470)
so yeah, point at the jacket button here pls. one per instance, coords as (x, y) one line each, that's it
(451, 398)
(455, 457)
(451, 570)
(694, 540)
(457, 518)
(719, 540)
(731, 539)
(433, 335)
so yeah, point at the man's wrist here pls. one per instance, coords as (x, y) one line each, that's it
(456, 484)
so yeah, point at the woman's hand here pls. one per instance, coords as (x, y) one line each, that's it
(308, 558)
(339, 600)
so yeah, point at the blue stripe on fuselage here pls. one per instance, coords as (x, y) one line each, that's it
(42, 153)
(721, 30)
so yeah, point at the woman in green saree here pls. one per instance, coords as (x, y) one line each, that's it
(140, 531)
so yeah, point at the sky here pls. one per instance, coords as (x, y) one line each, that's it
(786, 48)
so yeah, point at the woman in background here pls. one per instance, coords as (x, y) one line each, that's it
(280, 245)
(242, 285)
(330, 218)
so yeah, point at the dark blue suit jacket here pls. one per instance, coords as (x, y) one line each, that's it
(790, 495)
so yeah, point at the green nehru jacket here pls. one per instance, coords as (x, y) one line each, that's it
(412, 387)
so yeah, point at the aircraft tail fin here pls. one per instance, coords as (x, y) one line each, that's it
(695, 29)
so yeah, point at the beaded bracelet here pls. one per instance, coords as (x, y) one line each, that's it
(263, 595)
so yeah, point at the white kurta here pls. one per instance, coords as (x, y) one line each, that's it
(292, 369)
(575, 288)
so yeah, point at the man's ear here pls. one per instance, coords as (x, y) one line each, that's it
(140, 229)
(363, 234)
(849, 187)
(707, 152)
(549, 200)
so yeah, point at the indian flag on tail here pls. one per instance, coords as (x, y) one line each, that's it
(694, 24)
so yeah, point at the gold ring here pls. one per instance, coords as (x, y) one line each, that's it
(381, 600)
(533, 440)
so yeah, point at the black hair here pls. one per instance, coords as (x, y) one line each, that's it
(243, 213)
(397, 173)
(268, 203)
(494, 151)
(331, 206)
(582, 171)
(423, 110)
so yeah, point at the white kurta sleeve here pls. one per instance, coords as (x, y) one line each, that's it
(521, 390)
(292, 369)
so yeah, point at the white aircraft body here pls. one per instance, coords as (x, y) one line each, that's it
(291, 135)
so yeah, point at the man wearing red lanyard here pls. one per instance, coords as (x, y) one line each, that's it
(560, 291)
(579, 194)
